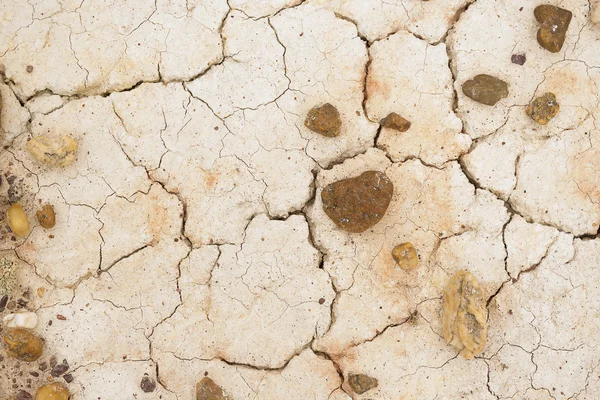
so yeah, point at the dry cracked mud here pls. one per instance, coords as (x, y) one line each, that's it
(190, 256)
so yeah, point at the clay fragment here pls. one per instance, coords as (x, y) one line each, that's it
(543, 108)
(485, 89)
(554, 22)
(406, 256)
(324, 120)
(361, 383)
(356, 204)
(207, 389)
(465, 315)
(23, 345)
(396, 122)
(46, 216)
(53, 150)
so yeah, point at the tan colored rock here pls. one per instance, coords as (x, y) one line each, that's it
(324, 119)
(543, 108)
(17, 220)
(356, 204)
(23, 345)
(396, 122)
(465, 314)
(52, 150)
(405, 256)
(485, 89)
(554, 22)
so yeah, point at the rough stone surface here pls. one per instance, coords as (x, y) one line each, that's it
(396, 122)
(324, 119)
(542, 109)
(356, 204)
(554, 23)
(465, 315)
(485, 89)
(190, 237)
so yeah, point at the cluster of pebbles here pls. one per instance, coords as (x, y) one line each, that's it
(353, 204)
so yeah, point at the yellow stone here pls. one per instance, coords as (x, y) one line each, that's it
(53, 391)
(55, 151)
(17, 220)
(23, 345)
(406, 256)
(465, 315)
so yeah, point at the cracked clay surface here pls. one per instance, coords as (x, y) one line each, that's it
(191, 240)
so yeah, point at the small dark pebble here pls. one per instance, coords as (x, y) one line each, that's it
(60, 369)
(148, 384)
(321, 300)
(61, 317)
(3, 302)
(30, 68)
(23, 395)
(53, 361)
(33, 373)
(518, 59)
(68, 377)
(43, 366)
(21, 303)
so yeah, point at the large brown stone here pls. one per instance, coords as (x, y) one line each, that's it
(23, 345)
(324, 120)
(554, 22)
(356, 204)
(485, 89)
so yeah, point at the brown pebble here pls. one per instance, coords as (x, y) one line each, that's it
(23, 395)
(324, 120)
(485, 89)
(148, 384)
(61, 317)
(405, 256)
(30, 68)
(68, 378)
(554, 22)
(23, 345)
(543, 108)
(35, 374)
(356, 204)
(46, 216)
(321, 300)
(518, 59)
(207, 389)
(53, 362)
(396, 122)
(361, 383)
